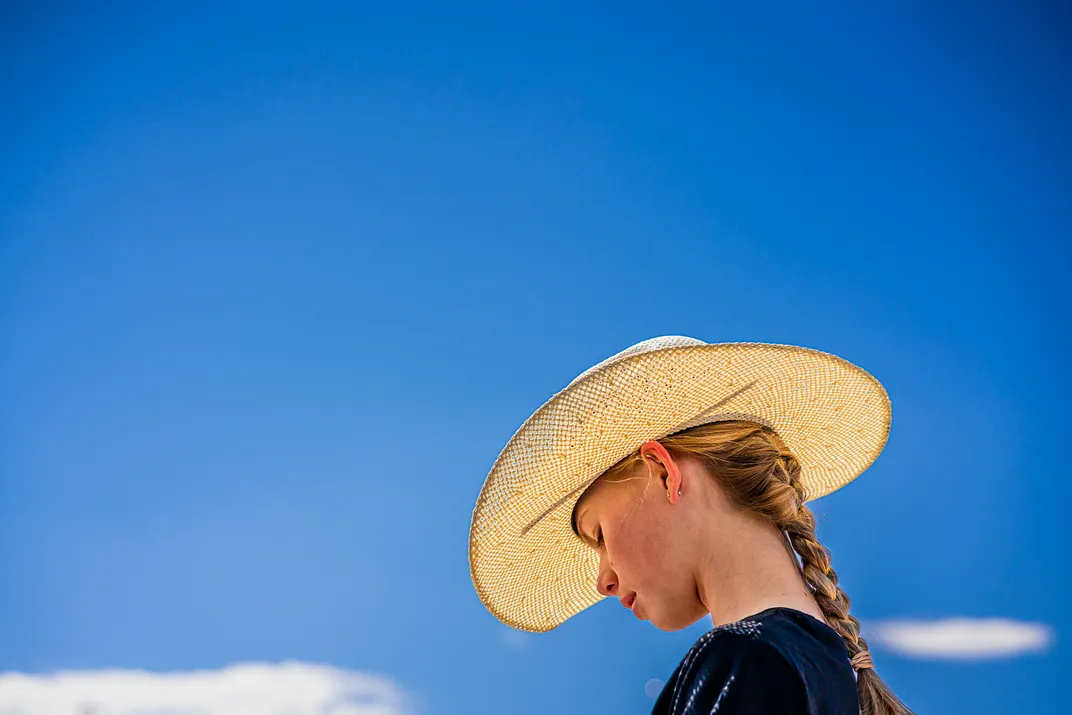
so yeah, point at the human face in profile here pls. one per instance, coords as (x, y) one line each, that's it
(645, 539)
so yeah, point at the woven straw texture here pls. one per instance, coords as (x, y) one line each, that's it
(529, 568)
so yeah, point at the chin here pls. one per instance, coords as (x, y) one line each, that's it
(674, 622)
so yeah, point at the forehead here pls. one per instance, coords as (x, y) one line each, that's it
(590, 495)
(584, 502)
(597, 494)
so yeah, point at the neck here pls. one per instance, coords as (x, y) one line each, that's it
(755, 573)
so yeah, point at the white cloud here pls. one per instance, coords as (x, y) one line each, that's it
(963, 638)
(289, 688)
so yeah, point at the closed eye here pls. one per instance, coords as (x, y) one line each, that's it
(599, 538)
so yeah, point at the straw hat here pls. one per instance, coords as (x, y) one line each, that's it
(528, 566)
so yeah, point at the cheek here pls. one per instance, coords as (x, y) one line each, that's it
(642, 550)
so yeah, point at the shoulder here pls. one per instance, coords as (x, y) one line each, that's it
(731, 670)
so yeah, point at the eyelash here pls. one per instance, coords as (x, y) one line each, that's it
(599, 538)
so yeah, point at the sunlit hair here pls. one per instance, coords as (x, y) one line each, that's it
(758, 473)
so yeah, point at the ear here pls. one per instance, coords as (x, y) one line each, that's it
(669, 472)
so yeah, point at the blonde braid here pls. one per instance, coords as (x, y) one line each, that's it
(798, 522)
(783, 502)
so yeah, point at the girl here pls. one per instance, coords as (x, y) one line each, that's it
(674, 477)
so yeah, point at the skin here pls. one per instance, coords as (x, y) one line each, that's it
(688, 556)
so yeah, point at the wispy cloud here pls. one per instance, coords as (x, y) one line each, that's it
(515, 639)
(962, 638)
(245, 689)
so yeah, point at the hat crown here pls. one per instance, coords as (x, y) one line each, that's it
(644, 346)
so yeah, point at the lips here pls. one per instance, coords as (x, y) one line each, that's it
(628, 600)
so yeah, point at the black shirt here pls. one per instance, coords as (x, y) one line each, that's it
(780, 661)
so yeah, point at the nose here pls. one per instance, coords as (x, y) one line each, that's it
(607, 581)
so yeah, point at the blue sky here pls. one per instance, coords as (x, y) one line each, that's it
(277, 284)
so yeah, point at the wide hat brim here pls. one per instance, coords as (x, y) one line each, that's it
(531, 570)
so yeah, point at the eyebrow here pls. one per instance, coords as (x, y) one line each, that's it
(577, 530)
